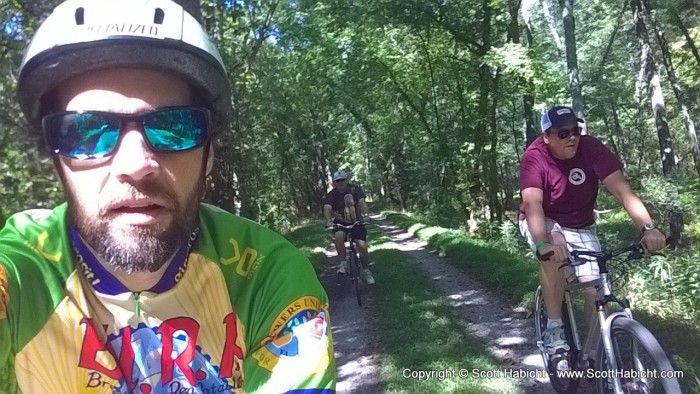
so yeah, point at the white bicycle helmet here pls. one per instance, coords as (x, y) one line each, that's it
(88, 35)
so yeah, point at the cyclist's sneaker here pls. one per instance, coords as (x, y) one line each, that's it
(555, 339)
(367, 276)
(560, 361)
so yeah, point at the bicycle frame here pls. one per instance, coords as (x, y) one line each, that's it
(350, 254)
(599, 324)
(604, 332)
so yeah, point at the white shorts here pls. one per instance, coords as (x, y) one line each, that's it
(576, 239)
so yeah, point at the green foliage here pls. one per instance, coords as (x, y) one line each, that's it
(311, 238)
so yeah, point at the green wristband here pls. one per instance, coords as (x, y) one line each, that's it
(541, 244)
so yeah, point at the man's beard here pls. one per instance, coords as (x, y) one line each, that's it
(131, 248)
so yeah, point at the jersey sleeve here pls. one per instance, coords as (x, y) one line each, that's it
(531, 174)
(359, 193)
(328, 200)
(290, 347)
(5, 336)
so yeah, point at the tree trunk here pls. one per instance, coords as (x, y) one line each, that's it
(686, 105)
(653, 81)
(476, 188)
(689, 40)
(544, 5)
(494, 186)
(617, 131)
(571, 57)
(531, 130)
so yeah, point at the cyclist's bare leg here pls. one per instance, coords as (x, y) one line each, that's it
(552, 280)
(339, 241)
(589, 298)
(364, 255)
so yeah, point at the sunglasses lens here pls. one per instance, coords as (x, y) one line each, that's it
(93, 135)
(82, 135)
(565, 133)
(176, 129)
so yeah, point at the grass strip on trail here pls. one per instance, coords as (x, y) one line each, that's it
(512, 277)
(417, 332)
(516, 278)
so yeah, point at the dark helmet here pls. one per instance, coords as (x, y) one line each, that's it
(88, 35)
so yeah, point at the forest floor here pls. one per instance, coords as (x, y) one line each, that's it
(506, 332)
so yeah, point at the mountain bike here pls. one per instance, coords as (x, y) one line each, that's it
(353, 265)
(618, 353)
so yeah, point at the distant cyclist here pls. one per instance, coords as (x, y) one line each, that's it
(559, 177)
(334, 210)
(134, 285)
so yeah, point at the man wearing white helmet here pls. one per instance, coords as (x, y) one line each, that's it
(334, 211)
(133, 285)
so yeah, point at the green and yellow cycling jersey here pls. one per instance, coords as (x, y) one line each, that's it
(245, 312)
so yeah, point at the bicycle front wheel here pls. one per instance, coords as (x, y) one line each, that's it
(642, 364)
(355, 276)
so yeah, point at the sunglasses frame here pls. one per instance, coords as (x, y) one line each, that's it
(138, 117)
(566, 133)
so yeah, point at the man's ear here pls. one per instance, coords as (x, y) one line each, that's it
(545, 138)
(210, 159)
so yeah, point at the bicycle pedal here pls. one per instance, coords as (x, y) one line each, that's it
(540, 345)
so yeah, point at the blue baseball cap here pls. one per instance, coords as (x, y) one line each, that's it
(557, 116)
(339, 175)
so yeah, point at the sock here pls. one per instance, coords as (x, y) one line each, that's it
(554, 322)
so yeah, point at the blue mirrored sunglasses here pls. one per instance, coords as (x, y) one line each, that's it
(88, 135)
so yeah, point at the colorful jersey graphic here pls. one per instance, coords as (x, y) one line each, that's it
(244, 313)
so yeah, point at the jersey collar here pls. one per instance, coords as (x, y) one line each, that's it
(105, 283)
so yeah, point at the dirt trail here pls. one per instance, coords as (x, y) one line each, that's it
(353, 332)
(507, 333)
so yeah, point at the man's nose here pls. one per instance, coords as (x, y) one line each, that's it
(133, 159)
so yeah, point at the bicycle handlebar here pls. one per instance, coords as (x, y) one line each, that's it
(347, 227)
(636, 250)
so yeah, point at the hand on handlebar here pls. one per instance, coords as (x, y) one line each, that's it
(653, 240)
(553, 253)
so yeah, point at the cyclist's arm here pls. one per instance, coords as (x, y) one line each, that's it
(362, 204)
(536, 223)
(4, 324)
(534, 213)
(328, 213)
(291, 348)
(618, 186)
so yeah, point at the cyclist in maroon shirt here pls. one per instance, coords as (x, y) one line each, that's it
(559, 177)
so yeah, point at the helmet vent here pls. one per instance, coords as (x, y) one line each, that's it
(80, 16)
(158, 16)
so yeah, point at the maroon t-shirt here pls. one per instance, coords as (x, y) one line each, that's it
(570, 187)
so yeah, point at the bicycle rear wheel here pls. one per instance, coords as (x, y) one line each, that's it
(560, 383)
(640, 361)
(355, 276)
